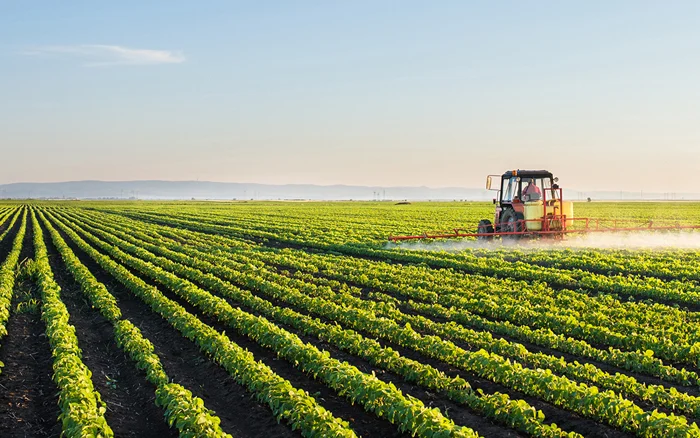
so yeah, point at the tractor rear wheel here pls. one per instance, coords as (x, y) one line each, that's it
(510, 223)
(485, 226)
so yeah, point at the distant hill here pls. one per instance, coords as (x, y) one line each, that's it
(202, 190)
(227, 191)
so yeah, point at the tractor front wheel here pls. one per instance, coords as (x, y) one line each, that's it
(511, 222)
(485, 227)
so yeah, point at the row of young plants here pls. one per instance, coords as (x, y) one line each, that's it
(669, 267)
(351, 223)
(360, 271)
(625, 385)
(294, 406)
(182, 410)
(334, 227)
(82, 409)
(6, 211)
(7, 270)
(673, 327)
(383, 399)
(580, 398)
(5, 215)
(10, 218)
(514, 413)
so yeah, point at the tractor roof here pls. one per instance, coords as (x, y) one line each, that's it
(528, 173)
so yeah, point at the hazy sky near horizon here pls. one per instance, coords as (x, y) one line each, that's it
(390, 93)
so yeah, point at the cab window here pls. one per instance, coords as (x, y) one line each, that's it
(510, 189)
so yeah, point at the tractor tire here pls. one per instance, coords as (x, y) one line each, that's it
(510, 224)
(485, 226)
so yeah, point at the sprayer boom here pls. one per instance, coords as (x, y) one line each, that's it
(580, 226)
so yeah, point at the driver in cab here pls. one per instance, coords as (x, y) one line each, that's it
(531, 192)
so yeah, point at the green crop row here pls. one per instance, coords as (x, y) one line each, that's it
(7, 271)
(82, 410)
(670, 266)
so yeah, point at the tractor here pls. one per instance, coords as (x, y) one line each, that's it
(528, 203)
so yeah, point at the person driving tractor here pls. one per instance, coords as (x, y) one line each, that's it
(531, 192)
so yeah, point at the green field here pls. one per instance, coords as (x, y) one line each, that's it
(290, 319)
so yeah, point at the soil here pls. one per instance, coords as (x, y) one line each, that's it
(7, 242)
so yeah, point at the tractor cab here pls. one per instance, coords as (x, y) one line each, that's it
(518, 186)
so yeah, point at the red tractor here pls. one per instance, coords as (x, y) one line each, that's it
(529, 201)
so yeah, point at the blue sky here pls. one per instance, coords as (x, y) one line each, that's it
(604, 94)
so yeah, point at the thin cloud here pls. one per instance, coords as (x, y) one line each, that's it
(98, 55)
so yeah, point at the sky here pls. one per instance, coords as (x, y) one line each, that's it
(388, 93)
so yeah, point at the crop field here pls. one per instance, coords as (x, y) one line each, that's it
(287, 319)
